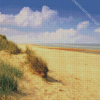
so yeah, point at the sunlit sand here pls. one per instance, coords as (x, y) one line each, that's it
(72, 75)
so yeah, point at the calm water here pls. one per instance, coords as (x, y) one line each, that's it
(80, 46)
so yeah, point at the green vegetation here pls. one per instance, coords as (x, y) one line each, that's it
(8, 78)
(37, 64)
(8, 45)
(9, 74)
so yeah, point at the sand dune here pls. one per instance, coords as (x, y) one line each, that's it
(72, 76)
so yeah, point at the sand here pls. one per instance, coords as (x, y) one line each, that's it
(73, 75)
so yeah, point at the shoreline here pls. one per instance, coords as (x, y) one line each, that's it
(67, 49)
(70, 71)
(72, 49)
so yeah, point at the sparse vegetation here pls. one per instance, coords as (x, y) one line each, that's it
(37, 64)
(9, 74)
(8, 78)
(8, 45)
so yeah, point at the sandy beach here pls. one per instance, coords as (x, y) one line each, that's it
(73, 75)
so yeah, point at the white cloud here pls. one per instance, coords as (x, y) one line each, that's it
(82, 25)
(59, 36)
(2, 17)
(18, 36)
(27, 17)
(6, 19)
(10, 32)
(97, 30)
(47, 13)
(23, 39)
(65, 36)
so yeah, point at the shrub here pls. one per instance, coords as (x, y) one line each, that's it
(8, 45)
(37, 64)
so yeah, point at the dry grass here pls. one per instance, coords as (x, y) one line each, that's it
(8, 45)
(37, 64)
(8, 82)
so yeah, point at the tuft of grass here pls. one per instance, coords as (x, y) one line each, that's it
(37, 64)
(6, 68)
(8, 82)
(8, 45)
(3, 36)
(12, 47)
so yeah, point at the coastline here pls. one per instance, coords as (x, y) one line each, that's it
(72, 73)
(72, 49)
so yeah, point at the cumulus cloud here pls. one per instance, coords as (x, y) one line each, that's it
(60, 36)
(2, 17)
(82, 25)
(27, 17)
(18, 36)
(6, 19)
(65, 36)
(97, 30)
(47, 12)
(10, 32)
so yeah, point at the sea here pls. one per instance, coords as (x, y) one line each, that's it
(79, 46)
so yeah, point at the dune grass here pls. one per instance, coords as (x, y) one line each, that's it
(8, 78)
(37, 64)
(8, 45)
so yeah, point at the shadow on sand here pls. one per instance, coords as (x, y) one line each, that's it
(51, 80)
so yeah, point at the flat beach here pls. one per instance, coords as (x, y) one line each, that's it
(73, 75)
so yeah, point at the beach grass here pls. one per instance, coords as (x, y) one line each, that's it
(8, 78)
(8, 45)
(36, 63)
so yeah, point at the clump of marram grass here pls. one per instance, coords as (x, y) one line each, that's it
(37, 64)
(3, 36)
(12, 47)
(8, 82)
(8, 45)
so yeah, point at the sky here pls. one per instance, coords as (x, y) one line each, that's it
(50, 21)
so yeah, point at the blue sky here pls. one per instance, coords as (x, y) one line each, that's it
(50, 21)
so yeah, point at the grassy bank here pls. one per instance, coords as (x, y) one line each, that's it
(8, 78)
(8, 45)
(9, 74)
